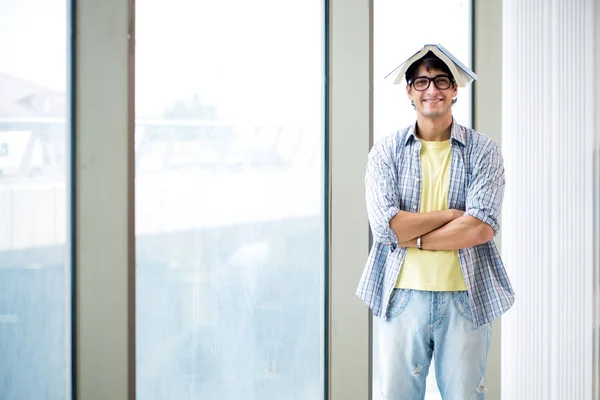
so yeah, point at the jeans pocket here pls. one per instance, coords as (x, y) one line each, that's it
(462, 304)
(398, 302)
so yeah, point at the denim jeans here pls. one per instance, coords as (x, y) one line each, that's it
(420, 324)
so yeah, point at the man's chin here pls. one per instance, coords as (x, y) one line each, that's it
(433, 114)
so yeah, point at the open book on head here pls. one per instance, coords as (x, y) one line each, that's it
(461, 73)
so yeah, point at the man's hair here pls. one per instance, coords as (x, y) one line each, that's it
(430, 60)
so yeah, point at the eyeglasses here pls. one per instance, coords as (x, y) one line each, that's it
(421, 83)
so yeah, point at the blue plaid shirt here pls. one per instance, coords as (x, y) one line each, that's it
(476, 186)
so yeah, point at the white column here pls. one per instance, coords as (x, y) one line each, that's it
(548, 137)
(349, 89)
(487, 107)
(104, 226)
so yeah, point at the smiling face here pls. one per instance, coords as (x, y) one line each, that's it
(433, 103)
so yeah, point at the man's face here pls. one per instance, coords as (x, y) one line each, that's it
(432, 102)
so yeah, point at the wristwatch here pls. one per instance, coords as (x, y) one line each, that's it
(419, 243)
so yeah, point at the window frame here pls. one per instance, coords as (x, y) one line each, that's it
(102, 237)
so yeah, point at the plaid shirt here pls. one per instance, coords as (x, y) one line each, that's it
(476, 186)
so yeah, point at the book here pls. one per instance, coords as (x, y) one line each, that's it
(462, 74)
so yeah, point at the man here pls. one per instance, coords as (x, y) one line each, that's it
(434, 277)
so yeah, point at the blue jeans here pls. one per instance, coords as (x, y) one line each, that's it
(420, 324)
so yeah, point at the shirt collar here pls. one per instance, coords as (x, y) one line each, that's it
(457, 133)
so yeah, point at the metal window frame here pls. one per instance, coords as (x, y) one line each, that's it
(487, 61)
(102, 199)
(350, 94)
(596, 201)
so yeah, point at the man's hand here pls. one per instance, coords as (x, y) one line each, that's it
(456, 213)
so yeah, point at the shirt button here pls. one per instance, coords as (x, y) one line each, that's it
(418, 179)
(414, 207)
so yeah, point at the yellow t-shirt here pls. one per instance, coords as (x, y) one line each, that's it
(428, 269)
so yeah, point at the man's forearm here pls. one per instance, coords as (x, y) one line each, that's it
(460, 233)
(408, 225)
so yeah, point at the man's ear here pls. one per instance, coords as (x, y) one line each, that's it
(408, 92)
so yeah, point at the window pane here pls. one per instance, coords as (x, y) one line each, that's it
(35, 299)
(229, 189)
(437, 21)
(447, 22)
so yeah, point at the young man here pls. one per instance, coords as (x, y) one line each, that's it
(434, 277)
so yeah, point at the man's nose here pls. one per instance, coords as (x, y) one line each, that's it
(432, 88)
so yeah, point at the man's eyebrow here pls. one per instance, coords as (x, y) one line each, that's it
(433, 77)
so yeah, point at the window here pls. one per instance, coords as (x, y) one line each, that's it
(35, 295)
(446, 22)
(229, 199)
(432, 21)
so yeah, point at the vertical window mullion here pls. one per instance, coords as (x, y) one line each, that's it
(103, 201)
(350, 127)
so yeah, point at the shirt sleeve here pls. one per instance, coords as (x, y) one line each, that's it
(486, 188)
(381, 194)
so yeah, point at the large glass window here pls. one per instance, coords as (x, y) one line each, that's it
(229, 199)
(400, 29)
(35, 299)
